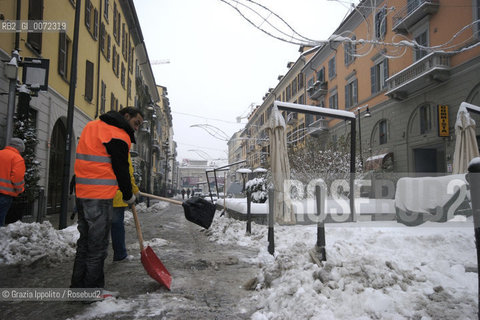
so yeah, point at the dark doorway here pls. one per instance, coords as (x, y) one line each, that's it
(55, 174)
(426, 160)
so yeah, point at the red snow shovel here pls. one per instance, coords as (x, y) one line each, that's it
(150, 261)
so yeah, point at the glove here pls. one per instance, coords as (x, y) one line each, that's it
(131, 200)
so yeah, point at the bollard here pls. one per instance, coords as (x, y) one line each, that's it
(249, 213)
(473, 178)
(271, 242)
(41, 205)
(320, 246)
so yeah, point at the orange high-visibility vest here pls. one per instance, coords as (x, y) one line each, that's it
(94, 174)
(12, 172)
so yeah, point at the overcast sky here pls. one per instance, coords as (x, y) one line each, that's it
(219, 63)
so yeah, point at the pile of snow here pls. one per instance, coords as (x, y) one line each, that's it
(25, 243)
(373, 270)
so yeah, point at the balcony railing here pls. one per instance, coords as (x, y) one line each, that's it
(432, 68)
(412, 13)
(292, 118)
(318, 90)
(318, 126)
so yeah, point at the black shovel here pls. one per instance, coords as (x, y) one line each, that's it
(197, 210)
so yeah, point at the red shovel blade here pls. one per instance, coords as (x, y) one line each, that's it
(155, 267)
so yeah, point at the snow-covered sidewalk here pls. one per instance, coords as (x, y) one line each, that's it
(374, 270)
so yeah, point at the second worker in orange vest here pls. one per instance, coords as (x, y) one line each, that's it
(101, 168)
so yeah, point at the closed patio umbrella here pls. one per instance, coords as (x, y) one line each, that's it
(280, 168)
(466, 147)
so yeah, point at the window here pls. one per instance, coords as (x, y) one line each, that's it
(91, 19)
(300, 80)
(122, 76)
(89, 81)
(103, 97)
(422, 40)
(425, 119)
(294, 86)
(130, 57)
(116, 23)
(63, 55)
(381, 23)
(129, 88)
(321, 75)
(331, 68)
(35, 12)
(113, 102)
(115, 61)
(288, 93)
(301, 99)
(379, 76)
(105, 9)
(351, 96)
(382, 131)
(104, 42)
(349, 51)
(310, 82)
(333, 100)
(124, 41)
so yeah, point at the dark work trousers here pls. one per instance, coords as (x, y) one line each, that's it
(94, 220)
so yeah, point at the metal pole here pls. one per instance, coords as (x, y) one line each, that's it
(249, 213)
(473, 177)
(208, 184)
(271, 237)
(12, 89)
(71, 107)
(320, 246)
(352, 169)
(360, 137)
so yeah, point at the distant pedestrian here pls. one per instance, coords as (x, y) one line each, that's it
(12, 173)
(101, 168)
(188, 193)
(183, 193)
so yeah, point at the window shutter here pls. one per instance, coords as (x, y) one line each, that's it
(354, 92)
(89, 81)
(95, 24)
(347, 97)
(373, 79)
(385, 72)
(62, 54)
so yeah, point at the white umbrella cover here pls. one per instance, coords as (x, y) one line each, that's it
(280, 168)
(466, 147)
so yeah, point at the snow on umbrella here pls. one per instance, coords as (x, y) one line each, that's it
(466, 147)
(280, 168)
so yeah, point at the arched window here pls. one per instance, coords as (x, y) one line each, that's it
(382, 130)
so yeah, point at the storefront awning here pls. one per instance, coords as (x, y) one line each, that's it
(379, 162)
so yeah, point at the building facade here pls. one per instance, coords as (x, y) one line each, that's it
(404, 67)
(113, 71)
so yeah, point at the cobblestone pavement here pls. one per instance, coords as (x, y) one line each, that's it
(207, 277)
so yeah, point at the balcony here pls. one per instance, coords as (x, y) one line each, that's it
(429, 70)
(413, 12)
(292, 118)
(318, 90)
(317, 127)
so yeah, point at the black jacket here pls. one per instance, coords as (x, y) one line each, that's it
(118, 150)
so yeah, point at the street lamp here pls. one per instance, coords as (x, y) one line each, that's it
(244, 172)
(366, 115)
(10, 71)
(153, 116)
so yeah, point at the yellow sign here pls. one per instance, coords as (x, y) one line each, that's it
(443, 130)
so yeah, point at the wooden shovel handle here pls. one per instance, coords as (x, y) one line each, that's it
(137, 226)
(160, 198)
